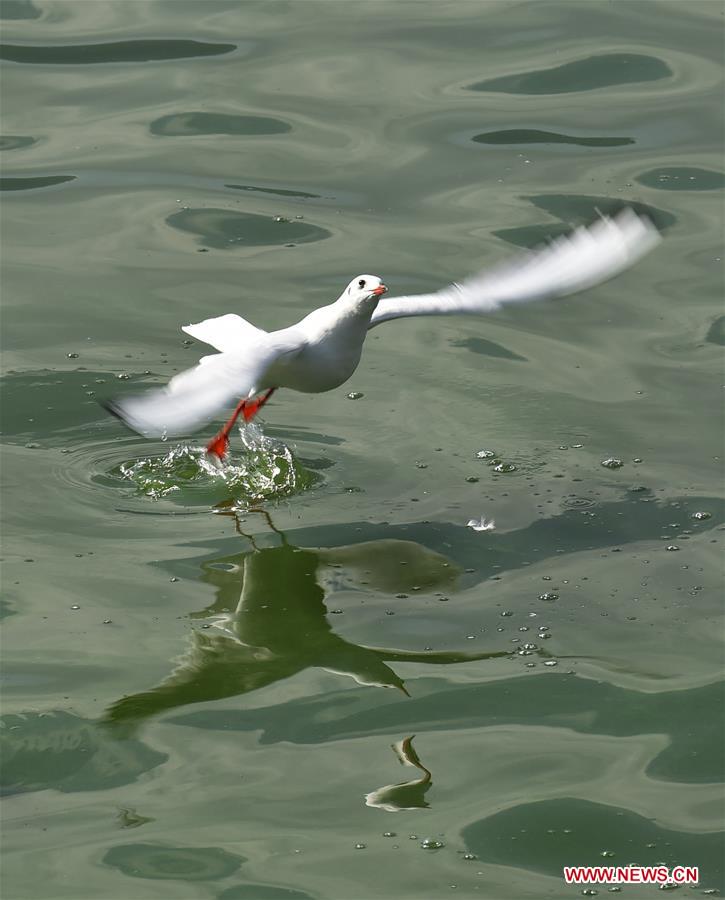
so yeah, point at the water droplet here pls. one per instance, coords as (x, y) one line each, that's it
(355, 395)
(72, 355)
(549, 595)
(32, 446)
(612, 463)
(280, 219)
(504, 467)
(360, 846)
(469, 856)
(421, 465)
(336, 612)
(471, 479)
(431, 844)
(443, 599)
(507, 612)
(123, 376)
(108, 621)
(172, 580)
(485, 454)
(701, 515)
(389, 834)
(672, 547)
(413, 837)
(607, 853)
(75, 606)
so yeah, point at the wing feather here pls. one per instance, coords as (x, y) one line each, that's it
(227, 332)
(586, 257)
(192, 398)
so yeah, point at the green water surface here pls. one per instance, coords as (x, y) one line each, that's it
(303, 676)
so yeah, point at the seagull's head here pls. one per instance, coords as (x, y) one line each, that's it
(364, 289)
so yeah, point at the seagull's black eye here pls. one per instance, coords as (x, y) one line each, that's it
(361, 283)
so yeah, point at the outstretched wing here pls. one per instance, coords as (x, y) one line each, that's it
(224, 333)
(580, 260)
(193, 397)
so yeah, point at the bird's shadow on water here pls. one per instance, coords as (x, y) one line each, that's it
(269, 621)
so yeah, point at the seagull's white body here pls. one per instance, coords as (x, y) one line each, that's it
(323, 350)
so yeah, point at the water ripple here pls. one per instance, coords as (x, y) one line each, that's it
(200, 123)
(110, 52)
(588, 74)
(535, 136)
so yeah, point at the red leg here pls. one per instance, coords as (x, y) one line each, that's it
(252, 407)
(219, 444)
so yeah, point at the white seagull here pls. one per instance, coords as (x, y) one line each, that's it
(323, 350)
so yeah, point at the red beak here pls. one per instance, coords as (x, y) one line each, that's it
(379, 291)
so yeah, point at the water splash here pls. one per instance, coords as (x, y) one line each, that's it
(265, 469)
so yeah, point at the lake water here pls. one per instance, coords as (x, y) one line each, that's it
(212, 679)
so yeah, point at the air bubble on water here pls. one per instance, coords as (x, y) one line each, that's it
(607, 853)
(548, 596)
(612, 463)
(504, 467)
(421, 465)
(485, 454)
(72, 355)
(672, 547)
(389, 834)
(700, 515)
(507, 612)
(280, 219)
(355, 395)
(75, 606)
(123, 376)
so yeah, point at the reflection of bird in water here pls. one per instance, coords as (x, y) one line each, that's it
(279, 627)
(407, 794)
